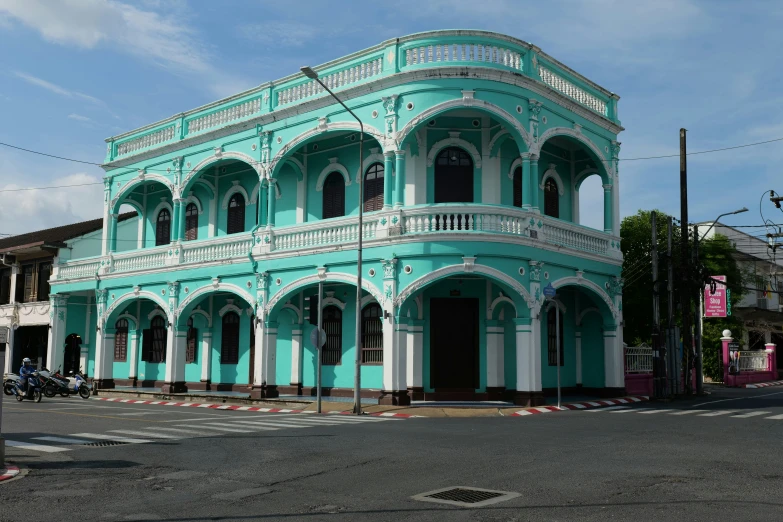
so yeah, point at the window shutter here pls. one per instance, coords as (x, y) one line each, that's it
(373, 188)
(334, 196)
(229, 347)
(372, 335)
(121, 340)
(236, 214)
(163, 228)
(190, 352)
(518, 187)
(158, 340)
(191, 222)
(551, 199)
(332, 352)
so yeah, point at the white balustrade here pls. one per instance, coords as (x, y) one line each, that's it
(215, 250)
(464, 52)
(148, 140)
(638, 359)
(563, 86)
(78, 269)
(139, 260)
(225, 116)
(578, 238)
(334, 81)
(753, 361)
(343, 231)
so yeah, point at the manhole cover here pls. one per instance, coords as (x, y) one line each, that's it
(466, 496)
(105, 443)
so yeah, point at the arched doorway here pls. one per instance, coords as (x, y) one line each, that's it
(453, 176)
(73, 348)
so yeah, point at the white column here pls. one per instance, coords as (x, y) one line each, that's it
(56, 339)
(211, 226)
(133, 356)
(141, 232)
(270, 355)
(258, 363)
(265, 360)
(415, 358)
(401, 357)
(296, 356)
(206, 356)
(528, 341)
(9, 350)
(389, 354)
(614, 370)
(578, 342)
(104, 358)
(301, 190)
(495, 353)
(176, 348)
(14, 279)
(105, 231)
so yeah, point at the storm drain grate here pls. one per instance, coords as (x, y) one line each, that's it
(104, 443)
(466, 496)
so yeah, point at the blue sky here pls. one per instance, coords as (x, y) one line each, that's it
(73, 72)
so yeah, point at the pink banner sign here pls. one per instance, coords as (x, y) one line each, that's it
(715, 303)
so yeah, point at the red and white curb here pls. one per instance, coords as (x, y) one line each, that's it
(581, 405)
(9, 473)
(233, 407)
(764, 384)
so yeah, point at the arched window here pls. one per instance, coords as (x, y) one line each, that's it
(154, 349)
(121, 340)
(551, 330)
(236, 214)
(373, 188)
(163, 228)
(453, 176)
(551, 198)
(334, 196)
(332, 352)
(518, 187)
(229, 345)
(190, 352)
(191, 222)
(372, 334)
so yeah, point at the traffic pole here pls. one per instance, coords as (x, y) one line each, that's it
(557, 349)
(697, 324)
(2, 440)
(319, 347)
(685, 291)
(656, 326)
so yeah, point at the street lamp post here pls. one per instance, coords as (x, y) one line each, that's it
(357, 404)
(700, 322)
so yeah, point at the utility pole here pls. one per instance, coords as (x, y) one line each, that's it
(685, 292)
(658, 388)
(697, 324)
(672, 351)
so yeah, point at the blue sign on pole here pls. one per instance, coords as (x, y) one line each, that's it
(549, 291)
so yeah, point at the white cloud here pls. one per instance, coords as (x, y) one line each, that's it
(62, 91)
(79, 117)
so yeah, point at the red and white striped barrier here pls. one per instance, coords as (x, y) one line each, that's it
(8, 473)
(233, 407)
(581, 405)
(764, 384)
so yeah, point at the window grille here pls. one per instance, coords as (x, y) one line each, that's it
(190, 352)
(372, 334)
(229, 346)
(121, 340)
(332, 323)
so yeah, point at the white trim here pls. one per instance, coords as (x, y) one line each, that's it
(472, 103)
(199, 311)
(136, 181)
(558, 303)
(233, 190)
(213, 289)
(201, 165)
(476, 268)
(584, 312)
(551, 172)
(334, 301)
(517, 163)
(299, 165)
(193, 199)
(130, 296)
(230, 307)
(454, 140)
(156, 312)
(208, 184)
(495, 139)
(367, 299)
(163, 204)
(126, 315)
(333, 166)
(375, 157)
(313, 279)
(254, 193)
(583, 175)
(595, 287)
(567, 131)
(501, 299)
(295, 310)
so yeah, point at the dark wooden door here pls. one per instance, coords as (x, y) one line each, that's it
(454, 343)
(454, 177)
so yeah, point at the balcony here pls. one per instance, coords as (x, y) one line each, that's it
(424, 223)
(433, 49)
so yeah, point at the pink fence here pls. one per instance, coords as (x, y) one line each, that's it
(638, 370)
(747, 367)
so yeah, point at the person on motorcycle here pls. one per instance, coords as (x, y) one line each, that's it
(26, 371)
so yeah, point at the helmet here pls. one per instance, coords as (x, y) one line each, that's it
(26, 360)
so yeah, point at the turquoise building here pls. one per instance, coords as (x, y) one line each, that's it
(475, 146)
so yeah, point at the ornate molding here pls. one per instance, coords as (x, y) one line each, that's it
(374, 157)
(454, 141)
(582, 138)
(206, 162)
(229, 307)
(551, 172)
(333, 166)
(313, 279)
(233, 190)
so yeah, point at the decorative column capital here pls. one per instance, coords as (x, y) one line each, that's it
(607, 187)
(534, 157)
(388, 154)
(399, 153)
(525, 156)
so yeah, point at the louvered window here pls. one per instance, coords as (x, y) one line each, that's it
(334, 196)
(229, 346)
(163, 228)
(29, 279)
(372, 334)
(236, 214)
(157, 349)
(191, 222)
(551, 329)
(373, 188)
(190, 352)
(551, 198)
(121, 340)
(332, 322)
(518, 187)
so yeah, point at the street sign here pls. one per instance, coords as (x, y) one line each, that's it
(3, 335)
(715, 303)
(314, 338)
(549, 291)
(734, 346)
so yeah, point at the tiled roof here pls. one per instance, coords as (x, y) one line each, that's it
(57, 234)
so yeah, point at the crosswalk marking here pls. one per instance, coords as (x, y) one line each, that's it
(218, 427)
(628, 410)
(716, 413)
(649, 412)
(189, 432)
(62, 440)
(255, 424)
(686, 412)
(610, 408)
(281, 424)
(144, 434)
(34, 447)
(775, 417)
(117, 438)
(306, 422)
(751, 414)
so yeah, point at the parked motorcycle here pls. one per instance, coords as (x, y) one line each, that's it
(9, 382)
(65, 386)
(33, 392)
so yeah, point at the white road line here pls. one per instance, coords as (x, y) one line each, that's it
(687, 412)
(146, 434)
(280, 424)
(355, 418)
(309, 422)
(629, 410)
(34, 447)
(189, 432)
(716, 413)
(102, 436)
(739, 398)
(218, 427)
(62, 440)
(650, 412)
(610, 408)
(751, 414)
(775, 417)
(253, 425)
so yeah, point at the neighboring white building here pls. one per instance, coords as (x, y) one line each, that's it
(761, 310)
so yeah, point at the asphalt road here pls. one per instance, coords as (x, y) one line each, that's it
(703, 459)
